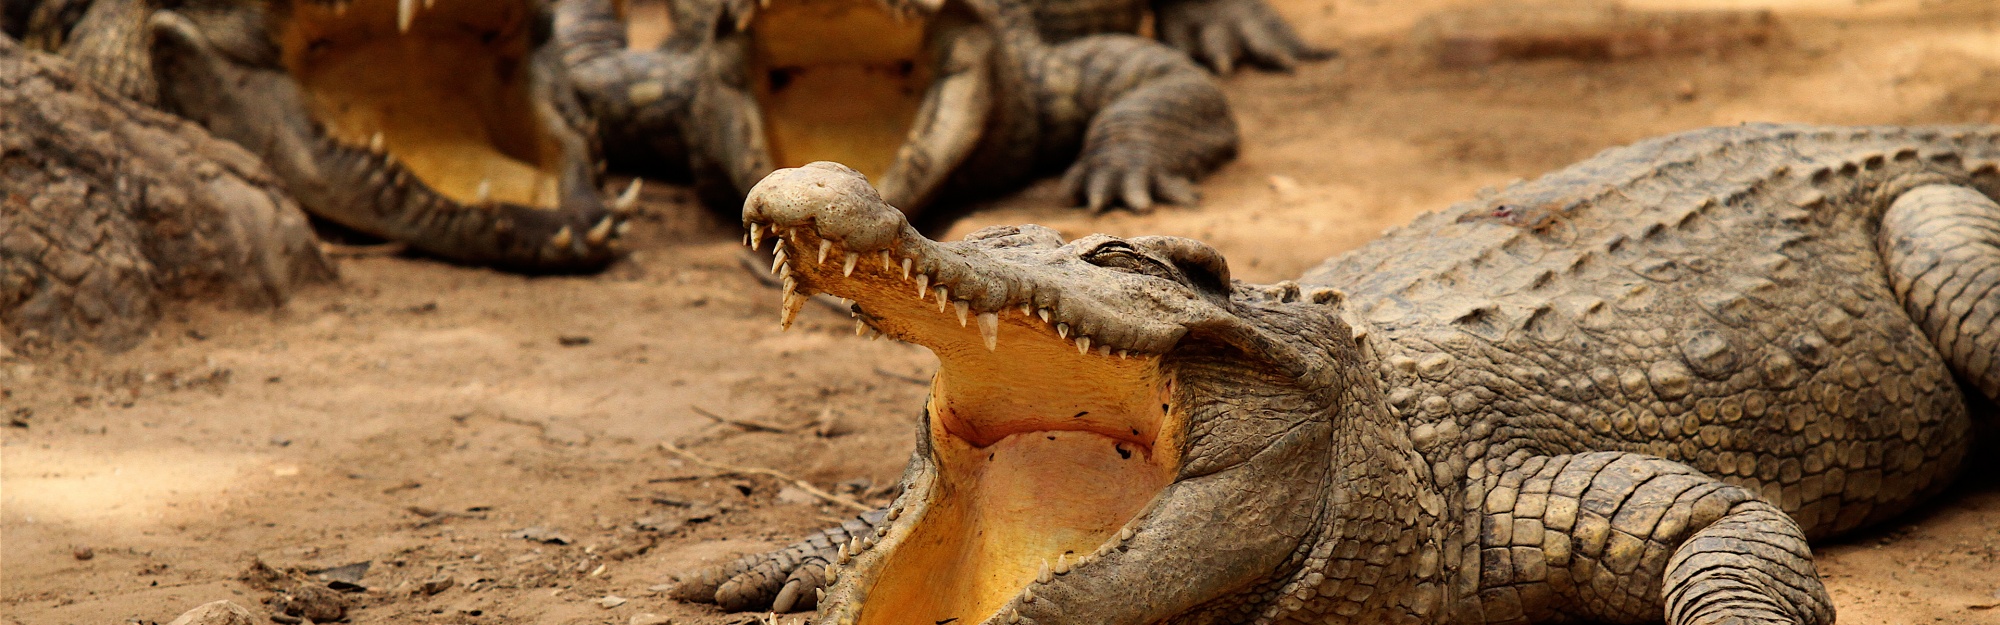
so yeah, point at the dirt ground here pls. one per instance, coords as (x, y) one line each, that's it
(418, 415)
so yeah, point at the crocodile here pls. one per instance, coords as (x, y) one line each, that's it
(1627, 391)
(110, 209)
(449, 126)
(930, 99)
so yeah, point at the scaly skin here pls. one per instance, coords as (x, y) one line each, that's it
(218, 62)
(1627, 391)
(109, 209)
(1134, 121)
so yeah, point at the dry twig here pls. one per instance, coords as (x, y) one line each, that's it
(746, 424)
(801, 484)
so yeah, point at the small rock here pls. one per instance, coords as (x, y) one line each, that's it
(649, 618)
(82, 552)
(573, 340)
(435, 585)
(611, 601)
(313, 602)
(541, 535)
(1285, 187)
(222, 612)
(793, 495)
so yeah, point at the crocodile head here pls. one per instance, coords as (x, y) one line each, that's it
(445, 124)
(1107, 422)
(899, 89)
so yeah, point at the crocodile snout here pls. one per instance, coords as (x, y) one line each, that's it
(832, 199)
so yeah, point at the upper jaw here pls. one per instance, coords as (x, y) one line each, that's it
(839, 237)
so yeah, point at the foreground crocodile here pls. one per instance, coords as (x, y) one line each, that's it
(927, 98)
(1626, 391)
(447, 125)
(109, 209)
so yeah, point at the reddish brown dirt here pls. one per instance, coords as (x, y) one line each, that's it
(419, 413)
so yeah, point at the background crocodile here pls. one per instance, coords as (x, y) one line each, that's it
(449, 125)
(928, 98)
(107, 208)
(1627, 390)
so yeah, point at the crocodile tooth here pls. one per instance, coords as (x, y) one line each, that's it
(894, 513)
(1124, 534)
(599, 233)
(623, 227)
(944, 298)
(825, 246)
(485, 193)
(1028, 595)
(831, 572)
(843, 556)
(375, 142)
(847, 268)
(1044, 576)
(962, 307)
(1104, 350)
(1027, 310)
(888, 261)
(630, 199)
(756, 235)
(406, 10)
(906, 270)
(778, 260)
(1013, 616)
(1082, 345)
(860, 328)
(820, 594)
(561, 239)
(1122, 354)
(1062, 330)
(989, 330)
(1044, 314)
(1062, 564)
(923, 286)
(794, 301)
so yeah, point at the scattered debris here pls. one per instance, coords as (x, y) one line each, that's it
(572, 340)
(222, 612)
(791, 495)
(611, 601)
(406, 485)
(541, 535)
(18, 417)
(261, 576)
(423, 309)
(82, 552)
(346, 577)
(801, 484)
(649, 618)
(632, 546)
(280, 441)
(898, 376)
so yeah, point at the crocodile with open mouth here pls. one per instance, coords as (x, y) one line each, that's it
(958, 98)
(446, 125)
(1628, 391)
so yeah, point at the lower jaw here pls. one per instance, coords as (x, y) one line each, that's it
(999, 515)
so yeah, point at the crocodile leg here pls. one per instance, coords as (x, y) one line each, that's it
(639, 97)
(1155, 121)
(1942, 247)
(785, 580)
(112, 46)
(1222, 33)
(1620, 537)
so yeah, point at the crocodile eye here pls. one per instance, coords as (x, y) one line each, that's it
(1122, 256)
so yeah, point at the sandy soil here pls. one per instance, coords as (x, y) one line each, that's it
(418, 415)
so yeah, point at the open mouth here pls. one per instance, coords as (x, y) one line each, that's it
(1047, 443)
(443, 86)
(898, 92)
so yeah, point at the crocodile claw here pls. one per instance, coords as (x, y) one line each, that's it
(1224, 33)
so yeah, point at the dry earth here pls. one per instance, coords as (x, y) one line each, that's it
(418, 415)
